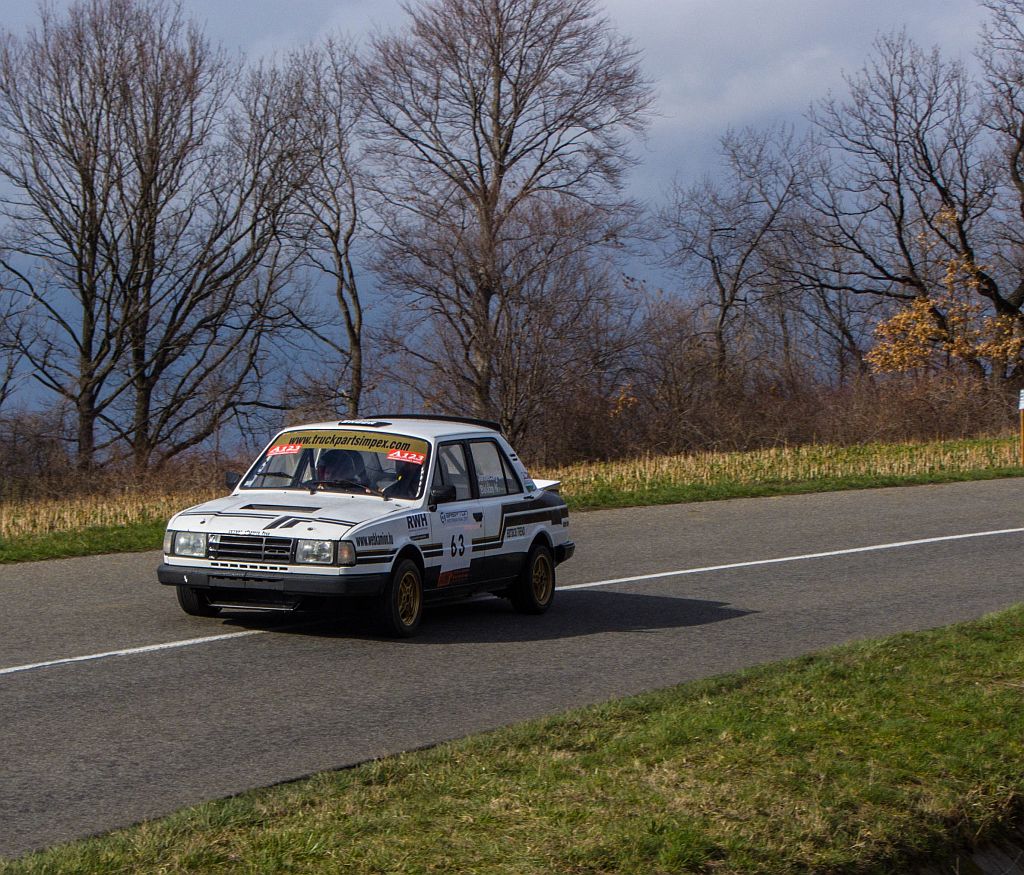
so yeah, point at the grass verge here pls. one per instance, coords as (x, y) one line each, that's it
(130, 538)
(134, 519)
(864, 758)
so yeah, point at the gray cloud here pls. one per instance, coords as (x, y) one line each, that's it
(733, 63)
(716, 63)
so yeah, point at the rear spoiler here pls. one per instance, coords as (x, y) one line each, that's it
(548, 485)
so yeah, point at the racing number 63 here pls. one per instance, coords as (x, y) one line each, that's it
(458, 549)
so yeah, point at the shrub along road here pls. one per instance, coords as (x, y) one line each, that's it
(94, 744)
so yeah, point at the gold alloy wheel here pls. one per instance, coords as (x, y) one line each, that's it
(542, 580)
(409, 596)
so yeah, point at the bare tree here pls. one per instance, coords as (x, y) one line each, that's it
(563, 318)
(12, 340)
(728, 238)
(329, 216)
(150, 176)
(1002, 57)
(478, 109)
(910, 193)
(838, 326)
(902, 145)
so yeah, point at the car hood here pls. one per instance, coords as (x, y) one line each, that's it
(285, 514)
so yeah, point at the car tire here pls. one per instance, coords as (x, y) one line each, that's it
(401, 604)
(534, 591)
(195, 602)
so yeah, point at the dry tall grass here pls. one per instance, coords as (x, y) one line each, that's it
(26, 518)
(784, 465)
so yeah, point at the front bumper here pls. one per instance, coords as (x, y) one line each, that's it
(258, 583)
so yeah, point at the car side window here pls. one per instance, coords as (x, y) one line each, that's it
(452, 470)
(493, 473)
(512, 481)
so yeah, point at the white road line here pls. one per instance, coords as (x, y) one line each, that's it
(892, 546)
(173, 645)
(130, 651)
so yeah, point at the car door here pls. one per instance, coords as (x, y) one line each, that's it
(459, 522)
(499, 550)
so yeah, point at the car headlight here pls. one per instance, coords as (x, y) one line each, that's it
(314, 552)
(190, 544)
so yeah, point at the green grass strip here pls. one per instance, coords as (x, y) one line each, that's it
(865, 758)
(129, 538)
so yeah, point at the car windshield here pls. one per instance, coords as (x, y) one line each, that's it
(360, 462)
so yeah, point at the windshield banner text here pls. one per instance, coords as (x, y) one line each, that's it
(376, 442)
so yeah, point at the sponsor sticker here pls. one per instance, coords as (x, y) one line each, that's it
(375, 539)
(453, 577)
(454, 517)
(407, 456)
(417, 521)
(285, 450)
(515, 532)
(491, 484)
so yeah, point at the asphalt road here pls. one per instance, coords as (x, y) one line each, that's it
(90, 745)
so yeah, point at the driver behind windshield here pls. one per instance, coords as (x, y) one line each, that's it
(341, 466)
(407, 481)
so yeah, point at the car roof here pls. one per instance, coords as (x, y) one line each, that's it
(431, 429)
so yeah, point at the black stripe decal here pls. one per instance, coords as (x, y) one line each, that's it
(373, 560)
(546, 500)
(528, 518)
(546, 508)
(282, 521)
(278, 521)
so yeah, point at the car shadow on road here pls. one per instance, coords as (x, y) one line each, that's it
(489, 620)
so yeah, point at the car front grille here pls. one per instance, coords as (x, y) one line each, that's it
(250, 548)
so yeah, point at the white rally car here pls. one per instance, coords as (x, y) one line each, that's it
(402, 510)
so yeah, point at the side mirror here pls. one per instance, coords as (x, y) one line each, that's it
(232, 479)
(441, 495)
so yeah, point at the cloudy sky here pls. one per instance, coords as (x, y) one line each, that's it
(716, 63)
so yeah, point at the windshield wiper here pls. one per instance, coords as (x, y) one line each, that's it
(262, 478)
(347, 485)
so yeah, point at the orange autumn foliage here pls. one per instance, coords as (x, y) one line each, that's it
(953, 325)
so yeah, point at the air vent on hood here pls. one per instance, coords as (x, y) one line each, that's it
(289, 507)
